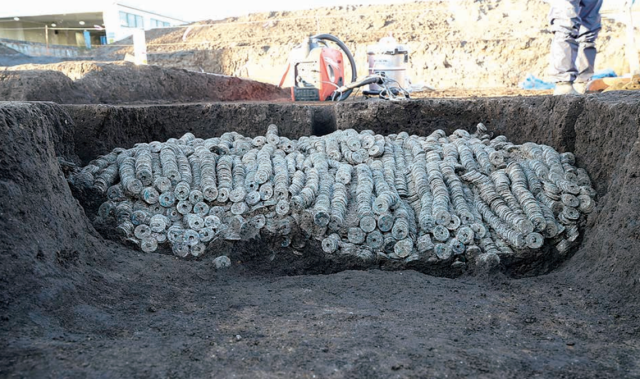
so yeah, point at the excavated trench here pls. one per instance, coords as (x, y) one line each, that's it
(75, 303)
(306, 255)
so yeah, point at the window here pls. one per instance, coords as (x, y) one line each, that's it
(159, 24)
(131, 20)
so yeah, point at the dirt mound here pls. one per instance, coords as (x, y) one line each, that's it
(462, 44)
(123, 82)
(74, 304)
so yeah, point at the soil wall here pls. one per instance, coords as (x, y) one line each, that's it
(100, 128)
(43, 228)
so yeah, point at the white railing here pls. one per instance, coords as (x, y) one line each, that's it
(36, 49)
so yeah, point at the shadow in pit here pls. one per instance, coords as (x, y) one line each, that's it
(323, 120)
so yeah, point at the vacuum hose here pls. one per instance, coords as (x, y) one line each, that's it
(354, 73)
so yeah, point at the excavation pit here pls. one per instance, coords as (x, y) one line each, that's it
(72, 297)
(372, 201)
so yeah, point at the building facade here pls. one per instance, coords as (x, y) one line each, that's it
(84, 26)
(120, 19)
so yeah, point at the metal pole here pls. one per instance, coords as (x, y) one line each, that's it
(46, 37)
(139, 47)
(632, 50)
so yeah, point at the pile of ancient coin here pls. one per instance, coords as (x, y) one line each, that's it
(437, 198)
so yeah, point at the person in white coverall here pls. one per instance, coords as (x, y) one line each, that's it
(575, 25)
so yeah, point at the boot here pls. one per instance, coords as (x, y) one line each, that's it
(564, 88)
(580, 87)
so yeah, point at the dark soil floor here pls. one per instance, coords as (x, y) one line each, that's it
(158, 316)
(73, 304)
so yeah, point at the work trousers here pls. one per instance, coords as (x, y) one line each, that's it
(575, 25)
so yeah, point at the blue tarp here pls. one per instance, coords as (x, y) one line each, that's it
(606, 73)
(531, 82)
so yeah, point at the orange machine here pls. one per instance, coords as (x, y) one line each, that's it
(318, 70)
(318, 73)
(317, 77)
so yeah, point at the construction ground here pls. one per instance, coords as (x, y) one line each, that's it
(76, 304)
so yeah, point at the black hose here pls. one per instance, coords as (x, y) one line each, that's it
(354, 73)
(364, 82)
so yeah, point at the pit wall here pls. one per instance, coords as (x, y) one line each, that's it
(100, 128)
(43, 228)
(602, 131)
